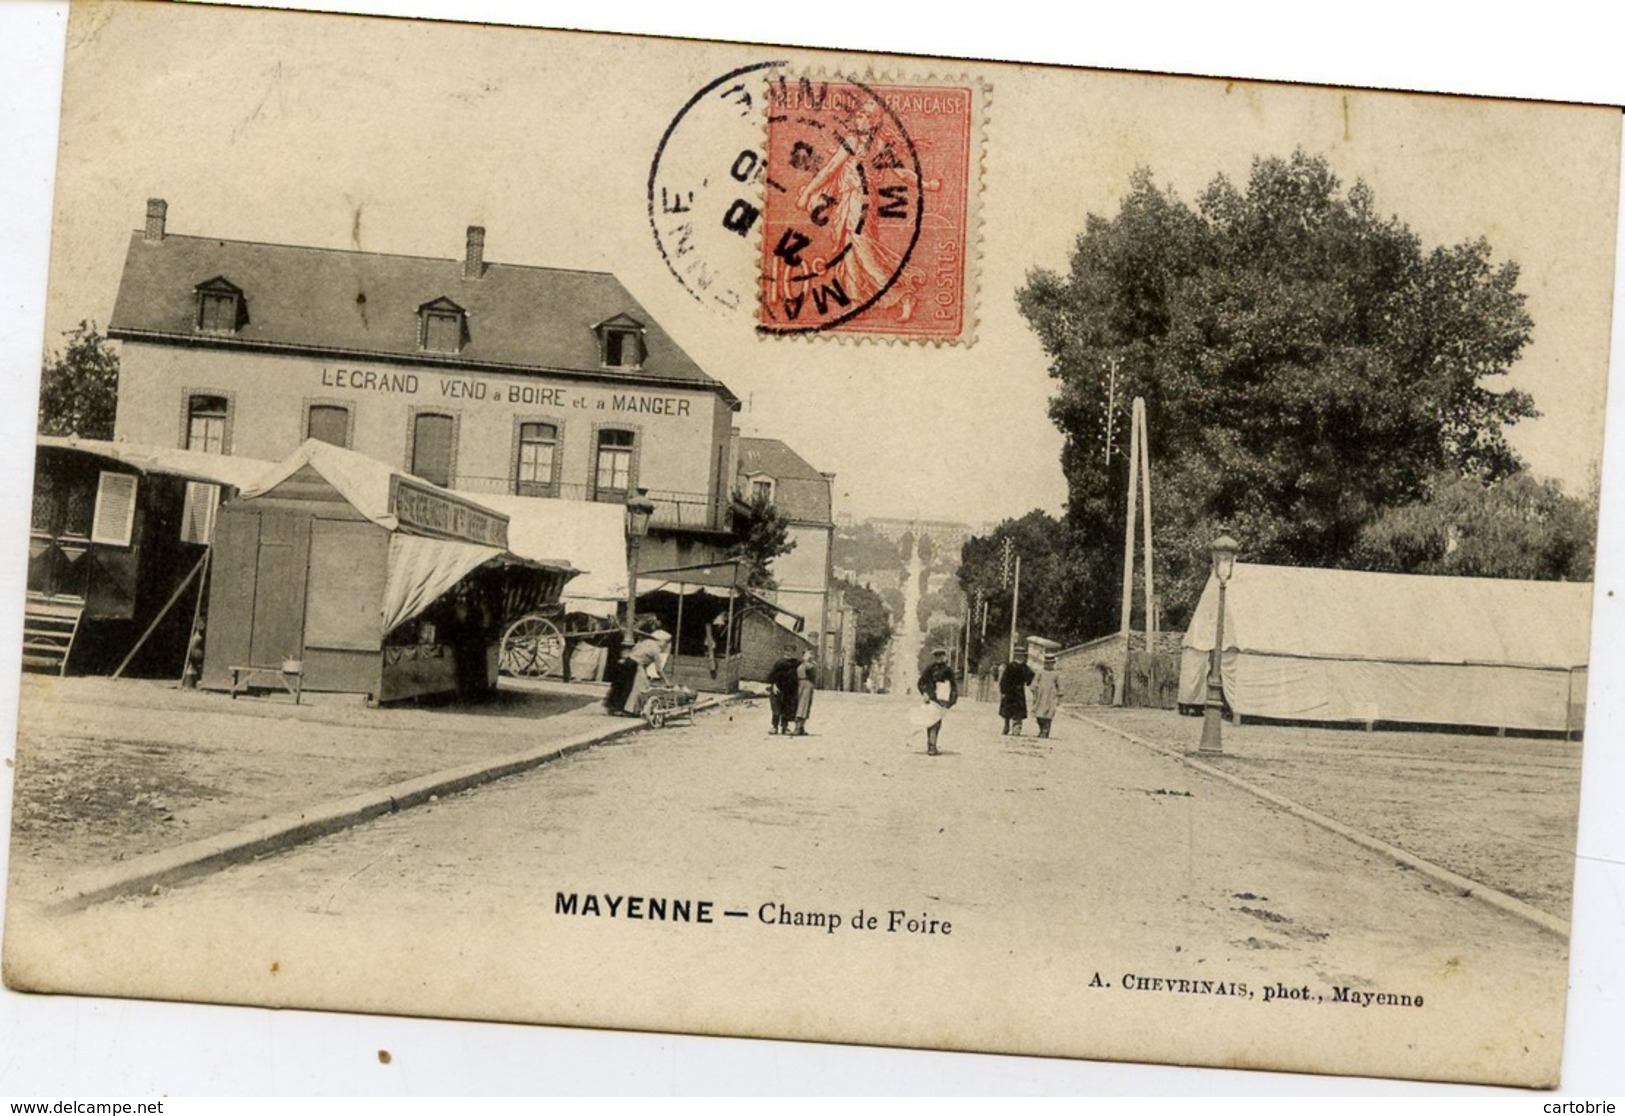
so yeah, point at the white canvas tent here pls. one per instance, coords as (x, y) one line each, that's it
(1353, 646)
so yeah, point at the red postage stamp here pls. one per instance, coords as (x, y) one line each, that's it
(867, 219)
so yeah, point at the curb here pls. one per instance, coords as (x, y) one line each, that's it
(1470, 889)
(210, 854)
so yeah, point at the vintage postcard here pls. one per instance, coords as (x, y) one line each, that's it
(549, 527)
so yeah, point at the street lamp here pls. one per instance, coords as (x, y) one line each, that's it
(639, 510)
(1224, 564)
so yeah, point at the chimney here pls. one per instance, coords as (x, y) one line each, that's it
(474, 258)
(157, 211)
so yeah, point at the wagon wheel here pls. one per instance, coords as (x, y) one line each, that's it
(532, 647)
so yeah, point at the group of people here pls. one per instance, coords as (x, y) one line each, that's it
(791, 684)
(1018, 682)
(1020, 688)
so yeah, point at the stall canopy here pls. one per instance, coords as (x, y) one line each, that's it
(1351, 645)
(211, 468)
(430, 529)
(589, 536)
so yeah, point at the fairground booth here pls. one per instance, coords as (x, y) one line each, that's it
(337, 573)
(118, 552)
(1357, 647)
(716, 623)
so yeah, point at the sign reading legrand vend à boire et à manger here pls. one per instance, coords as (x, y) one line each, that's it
(428, 511)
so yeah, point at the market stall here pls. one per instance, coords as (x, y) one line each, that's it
(350, 576)
(709, 609)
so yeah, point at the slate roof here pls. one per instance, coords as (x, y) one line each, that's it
(365, 305)
(800, 492)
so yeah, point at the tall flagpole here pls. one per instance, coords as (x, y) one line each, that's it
(1128, 547)
(1145, 485)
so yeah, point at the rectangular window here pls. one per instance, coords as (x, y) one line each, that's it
(206, 423)
(442, 333)
(114, 521)
(433, 444)
(217, 313)
(622, 349)
(197, 513)
(328, 423)
(613, 473)
(538, 444)
(761, 491)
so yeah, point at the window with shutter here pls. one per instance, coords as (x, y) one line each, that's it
(328, 423)
(197, 513)
(433, 444)
(114, 521)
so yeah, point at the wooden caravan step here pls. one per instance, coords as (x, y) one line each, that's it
(49, 629)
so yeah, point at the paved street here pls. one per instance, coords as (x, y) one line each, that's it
(1077, 895)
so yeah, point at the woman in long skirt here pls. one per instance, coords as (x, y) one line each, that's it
(806, 683)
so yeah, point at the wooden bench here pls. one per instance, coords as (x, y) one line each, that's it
(291, 674)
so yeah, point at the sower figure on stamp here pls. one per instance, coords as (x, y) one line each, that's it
(839, 195)
(940, 690)
(1013, 683)
(1046, 695)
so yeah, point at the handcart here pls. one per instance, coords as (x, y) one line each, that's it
(664, 705)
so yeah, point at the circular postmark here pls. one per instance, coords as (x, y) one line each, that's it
(797, 202)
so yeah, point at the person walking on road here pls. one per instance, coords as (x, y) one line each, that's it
(806, 683)
(782, 692)
(940, 690)
(1046, 695)
(1013, 683)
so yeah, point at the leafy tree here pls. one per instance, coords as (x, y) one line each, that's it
(950, 636)
(1519, 527)
(1056, 574)
(874, 628)
(761, 534)
(79, 386)
(905, 548)
(928, 548)
(864, 550)
(1305, 364)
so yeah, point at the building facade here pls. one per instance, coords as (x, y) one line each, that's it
(478, 376)
(771, 470)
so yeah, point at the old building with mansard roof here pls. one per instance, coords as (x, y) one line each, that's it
(485, 377)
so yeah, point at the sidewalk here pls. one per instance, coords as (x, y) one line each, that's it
(128, 784)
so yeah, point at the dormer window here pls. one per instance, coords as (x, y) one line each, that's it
(760, 488)
(220, 306)
(620, 341)
(442, 326)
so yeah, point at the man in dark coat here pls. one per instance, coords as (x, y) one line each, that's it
(940, 689)
(782, 689)
(1013, 685)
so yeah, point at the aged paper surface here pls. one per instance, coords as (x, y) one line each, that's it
(1022, 988)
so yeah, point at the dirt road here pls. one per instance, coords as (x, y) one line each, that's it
(1080, 896)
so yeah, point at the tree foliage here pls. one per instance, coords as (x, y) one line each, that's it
(761, 534)
(1057, 573)
(1306, 365)
(1518, 526)
(874, 629)
(865, 550)
(79, 386)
